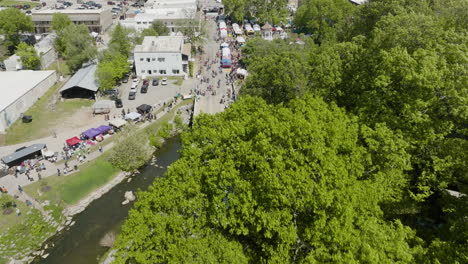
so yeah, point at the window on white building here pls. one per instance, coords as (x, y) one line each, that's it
(175, 71)
(153, 59)
(155, 71)
(138, 22)
(142, 71)
(162, 71)
(148, 59)
(161, 59)
(141, 59)
(144, 22)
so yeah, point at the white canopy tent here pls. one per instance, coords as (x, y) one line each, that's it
(256, 28)
(226, 52)
(240, 40)
(241, 71)
(223, 33)
(103, 106)
(132, 116)
(237, 29)
(224, 45)
(117, 122)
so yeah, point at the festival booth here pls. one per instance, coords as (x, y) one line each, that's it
(144, 109)
(240, 40)
(103, 106)
(256, 28)
(91, 133)
(23, 154)
(237, 29)
(132, 116)
(241, 73)
(249, 30)
(223, 33)
(72, 141)
(117, 123)
(222, 25)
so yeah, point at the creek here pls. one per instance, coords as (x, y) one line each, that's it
(80, 243)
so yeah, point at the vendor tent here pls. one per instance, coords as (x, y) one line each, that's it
(47, 153)
(103, 106)
(23, 154)
(144, 108)
(222, 25)
(237, 29)
(132, 116)
(117, 122)
(223, 33)
(256, 28)
(240, 40)
(224, 45)
(103, 129)
(241, 72)
(91, 133)
(72, 141)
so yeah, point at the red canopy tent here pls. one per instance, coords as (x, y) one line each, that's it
(72, 141)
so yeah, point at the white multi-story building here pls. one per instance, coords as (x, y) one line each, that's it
(162, 56)
(170, 16)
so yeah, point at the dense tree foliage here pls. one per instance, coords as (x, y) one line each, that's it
(276, 184)
(402, 63)
(347, 158)
(157, 28)
(273, 11)
(75, 44)
(324, 19)
(12, 24)
(113, 62)
(29, 58)
(130, 152)
(60, 22)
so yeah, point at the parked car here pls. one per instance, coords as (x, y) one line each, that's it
(44, 3)
(146, 81)
(135, 83)
(110, 3)
(155, 82)
(113, 91)
(144, 88)
(131, 95)
(125, 79)
(118, 102)
(164, 81)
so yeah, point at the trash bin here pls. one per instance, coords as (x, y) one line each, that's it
(27, 119)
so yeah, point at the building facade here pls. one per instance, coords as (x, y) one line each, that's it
(162, 56)
(21, 89)
(171, 17)
(96, 20)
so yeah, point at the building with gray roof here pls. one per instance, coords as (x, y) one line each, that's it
(82, 84)
(20, 90)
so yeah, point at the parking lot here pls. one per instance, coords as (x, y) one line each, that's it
(155, 96)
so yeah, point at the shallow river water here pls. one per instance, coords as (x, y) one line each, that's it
(80, 243)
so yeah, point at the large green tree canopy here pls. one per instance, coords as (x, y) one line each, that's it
(13, 23)
(260, 183)
(273, 11)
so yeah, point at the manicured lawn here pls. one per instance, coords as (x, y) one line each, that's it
(48, 112)
(70, 189)
(14, 3)
(7, 221)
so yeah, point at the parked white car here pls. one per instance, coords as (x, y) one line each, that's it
(164, 81)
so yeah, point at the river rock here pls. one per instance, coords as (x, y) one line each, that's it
(125, 202)
(129, 179)
(45, 256)
(46, 246)
(72, 223)
(130, 196)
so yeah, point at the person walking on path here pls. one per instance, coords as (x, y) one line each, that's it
(20, 189)
(58, 172)
(100, 149)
